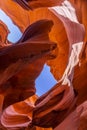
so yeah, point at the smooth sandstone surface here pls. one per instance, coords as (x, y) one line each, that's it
(66, 101)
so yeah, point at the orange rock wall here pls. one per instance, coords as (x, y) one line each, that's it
(66, 100)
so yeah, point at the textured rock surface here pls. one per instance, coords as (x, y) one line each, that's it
(28, 4)
(46, 108)
(13, 10)
(66, 101)
(76, 120)
(15, 63)
(3, 35)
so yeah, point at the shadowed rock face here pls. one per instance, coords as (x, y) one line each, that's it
(76, 120)
(33, 4)
(71, 31)
(17, 59)
(66, 101)
(20, 65)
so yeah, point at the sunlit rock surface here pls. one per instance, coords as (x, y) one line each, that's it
(66, 101)
(15, 13)
(19, 114)
(17, 62)
(20, 68)
(29, 5)
(3, 35)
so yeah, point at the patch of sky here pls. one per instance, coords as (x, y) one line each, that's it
(45, 81)
(15, 34)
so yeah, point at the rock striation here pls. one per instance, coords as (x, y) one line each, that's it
(54, 32)
(15, 63)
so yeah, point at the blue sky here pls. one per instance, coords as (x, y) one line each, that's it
(45, 80)
(15, 32)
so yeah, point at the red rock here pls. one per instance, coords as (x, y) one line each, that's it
(54, 104)
(69, 67)
(19, 71)
(20, 58)
(76, 120)
(30, 5)
(4, 31)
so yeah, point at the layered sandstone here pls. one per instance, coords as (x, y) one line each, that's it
(66, 101)
(35, 49)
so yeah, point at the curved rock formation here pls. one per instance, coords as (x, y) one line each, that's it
(3, 35)
(45, 105)
(28, 4)
(18, 60)
(19, 114)
(76, 120)
(13, 11)
(65, 100)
